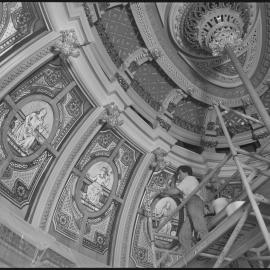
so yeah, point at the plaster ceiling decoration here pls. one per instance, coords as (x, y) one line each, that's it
(19, 23)
(190, 29)
(37, 118)
(161, 205)
(184, 37)
(207, 78)
(90, 202)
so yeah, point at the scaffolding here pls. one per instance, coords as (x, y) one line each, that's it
(222, 222)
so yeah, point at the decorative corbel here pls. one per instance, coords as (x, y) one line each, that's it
(111, 115)
(174, 97)
(135, 59)
(68, 45)
(159, 164)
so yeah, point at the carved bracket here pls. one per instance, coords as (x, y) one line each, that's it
(159, 163)
(164, 121)
(111, 115)
(68, 44)
(138, 57)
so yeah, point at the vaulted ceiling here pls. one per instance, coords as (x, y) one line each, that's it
(122, 90)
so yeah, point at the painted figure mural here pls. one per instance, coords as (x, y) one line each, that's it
(163, 208)
(31, 128)
(25, 132)
(99, 178)
(94, 190)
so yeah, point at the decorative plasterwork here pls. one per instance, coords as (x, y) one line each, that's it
(221, 71)
(111, 115)
(41, 54)
(148, 34)
(68, 44)
(20, 21)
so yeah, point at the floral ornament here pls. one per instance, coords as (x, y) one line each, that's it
(111, 115)
(160, 179)
(155, 53)
(52, 78)
(20, 191)
(68, 44)
(63, 219)
(74, 107)
(22, 18)
(100, 240)
(222, 38)
(141, 254)
(105, 140)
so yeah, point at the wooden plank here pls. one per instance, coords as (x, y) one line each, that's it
(210, 238)
(232, 239)
(251, 239)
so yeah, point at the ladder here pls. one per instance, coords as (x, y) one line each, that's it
(225, 231)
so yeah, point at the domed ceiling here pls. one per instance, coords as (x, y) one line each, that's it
(168, 63)
(99, 102)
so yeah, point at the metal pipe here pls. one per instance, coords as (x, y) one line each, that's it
(250, 88)
(210, 238)
(211, 256)
(253, 155)
(232, 238)
(244, 181)
(203, 183)
(242, 114)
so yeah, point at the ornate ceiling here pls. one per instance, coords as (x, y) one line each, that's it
(100, 103)
(160, 47)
